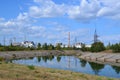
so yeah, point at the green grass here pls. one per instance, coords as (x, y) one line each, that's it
(12, 71)
(31, 67)
(99, 78)
(1, 59)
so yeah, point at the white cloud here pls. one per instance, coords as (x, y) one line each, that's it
(7, 26)
(58, 27)
(46, 8)
(37, 28)
(2, 19)
(36, 31)
(15, 26)
(109, 3)
(22, 16)
(110, 9)
(85, 11)
(111, 38)
(9, 23)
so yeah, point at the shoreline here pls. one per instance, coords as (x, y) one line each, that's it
(23, 54)
(102, 58)
(88, 56)
(8, 55)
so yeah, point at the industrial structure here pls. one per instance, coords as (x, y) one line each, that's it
(68, 39)
(95, 37)
(24, 44)
(76, 44)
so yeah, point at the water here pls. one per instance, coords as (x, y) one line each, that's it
(73, 64)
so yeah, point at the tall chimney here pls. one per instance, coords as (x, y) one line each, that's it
(68, 39)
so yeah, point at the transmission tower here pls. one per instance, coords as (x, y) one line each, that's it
(95, 36)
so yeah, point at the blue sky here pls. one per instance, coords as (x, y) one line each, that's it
(51, 20)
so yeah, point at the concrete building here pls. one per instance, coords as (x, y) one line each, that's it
(78, 45)
(16, 44)
(28, 44)
(88, 45)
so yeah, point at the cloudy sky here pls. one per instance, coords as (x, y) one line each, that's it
(51, 20)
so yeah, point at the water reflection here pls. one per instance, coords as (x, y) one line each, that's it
(58, 58)
(83, 63)
(31, 58)
(96, 67)
(46, 58)
(117, 69)
(72, 63)
(39, 58)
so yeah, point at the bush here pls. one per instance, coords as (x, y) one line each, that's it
(31, 67)
(116, 47)
(2, 59)
(84, 48)
(97, 47)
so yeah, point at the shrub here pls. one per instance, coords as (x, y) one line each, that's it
(2, 59)
(31, 67)
(116, 47)
(14, 55)
(97, 47)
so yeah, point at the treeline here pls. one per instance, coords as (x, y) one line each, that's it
(95, 47)
(99, 46)
(39, 46)
(114, 47)
(46, 46)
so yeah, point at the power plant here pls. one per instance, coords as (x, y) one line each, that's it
(76, 44)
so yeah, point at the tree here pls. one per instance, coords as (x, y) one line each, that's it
(97, 47)
(116, 47)
(0, 45)
(108, 46)
(39, 46)
(45, 46)
(58, 46)
(51, 47)
(83, 48)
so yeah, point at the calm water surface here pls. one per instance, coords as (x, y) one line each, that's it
(73, 64)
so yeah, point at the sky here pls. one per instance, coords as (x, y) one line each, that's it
(49, 21)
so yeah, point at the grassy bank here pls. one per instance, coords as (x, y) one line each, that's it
(9, 71)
